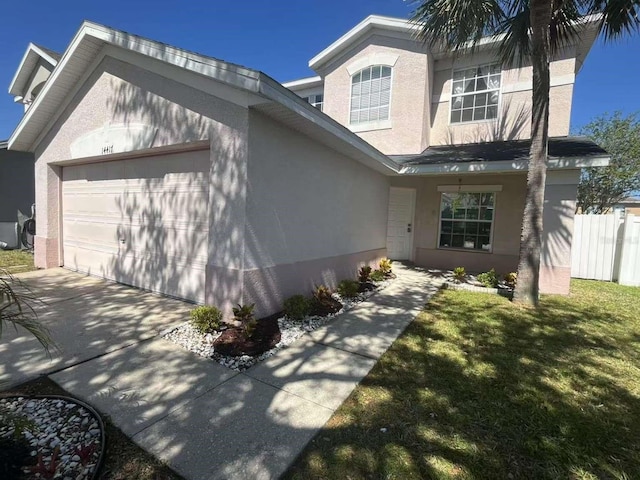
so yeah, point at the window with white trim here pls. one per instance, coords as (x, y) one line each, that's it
(370, 94)
(466, 220)
(475, 93)
(316, 100)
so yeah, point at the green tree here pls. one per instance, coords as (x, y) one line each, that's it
(601, 188)
(530, 31)
(17, 309)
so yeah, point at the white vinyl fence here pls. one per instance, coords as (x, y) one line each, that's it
(606, 247)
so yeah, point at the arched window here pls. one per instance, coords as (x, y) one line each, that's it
(370, 94)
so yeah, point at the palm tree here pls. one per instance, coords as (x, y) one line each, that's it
(528, 30)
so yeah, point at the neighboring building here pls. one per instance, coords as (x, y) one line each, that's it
(197, 178)
(17, 191)
(629, 205)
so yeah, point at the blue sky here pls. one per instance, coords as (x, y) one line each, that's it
(278, 37)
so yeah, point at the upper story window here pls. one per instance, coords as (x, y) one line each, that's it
(316, 100)
(370, 94)
(475, 94)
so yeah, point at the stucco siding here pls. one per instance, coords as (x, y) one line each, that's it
(506, 226)
(559, 211)
(410, 93)
(120, 95)
(313, 215)
(514, 115)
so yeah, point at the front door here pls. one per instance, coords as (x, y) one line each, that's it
(400, 224)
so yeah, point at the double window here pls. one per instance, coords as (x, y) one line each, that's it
(475, 94)
(466, 220)
(316, 100)
(370, 95)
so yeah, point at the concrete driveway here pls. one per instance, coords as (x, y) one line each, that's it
(88, 317)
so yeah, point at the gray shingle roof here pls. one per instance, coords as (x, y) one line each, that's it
(559, 147)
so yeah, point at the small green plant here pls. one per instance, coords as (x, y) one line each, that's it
(15, 453)
(459, 273)
(510, 279)
(377, 276)
(323, 303)
(348, 288)
(322, 294)
(489, 279)
(244, 315)
(206, 318)
(385, 267)
(297, 307)
(364, 274)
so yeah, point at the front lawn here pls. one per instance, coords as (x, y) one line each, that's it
(15, 261)
(479, 388)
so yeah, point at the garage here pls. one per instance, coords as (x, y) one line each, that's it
(140, 221)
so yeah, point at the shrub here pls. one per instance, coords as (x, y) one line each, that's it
(15, 453)
(206, 318)
(510, 279)
(377, 276)
(297, 307)
(385, 267)
(348, 288)
(489, 279)
(364, 274)
(458, 274)
(323, 303)
(244, 315)
(322, 294)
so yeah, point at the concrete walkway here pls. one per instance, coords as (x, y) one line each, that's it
(87, 317)
(207, 421)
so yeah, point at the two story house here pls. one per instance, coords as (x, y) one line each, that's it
(458, 126)
(205, 180)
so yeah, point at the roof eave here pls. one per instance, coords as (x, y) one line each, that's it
(372, 21)
(508, 166)
(308, 82)
(14, 88)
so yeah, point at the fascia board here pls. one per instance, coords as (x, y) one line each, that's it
(32, 49)
(502, 166)
(372, 21)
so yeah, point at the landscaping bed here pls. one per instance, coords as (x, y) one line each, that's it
(480, 388)
(228, 344)
(50, 420)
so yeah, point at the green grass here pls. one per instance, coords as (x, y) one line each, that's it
(479, 388)
(15, 261)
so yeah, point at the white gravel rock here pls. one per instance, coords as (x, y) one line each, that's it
(48, 426)
(189, 338)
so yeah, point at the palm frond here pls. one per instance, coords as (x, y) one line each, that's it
(17, 308)
(457, 24)
(618, 17)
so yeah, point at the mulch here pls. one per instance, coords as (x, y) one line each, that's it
(232, 342)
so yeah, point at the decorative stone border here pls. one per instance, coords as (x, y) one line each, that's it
(60, 426)
(504, 292)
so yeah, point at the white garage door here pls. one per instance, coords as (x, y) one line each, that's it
(141, 222)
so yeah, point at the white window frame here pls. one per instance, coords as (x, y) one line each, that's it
(452, 94)
(375, 124)
(315, 102)
(492, 221)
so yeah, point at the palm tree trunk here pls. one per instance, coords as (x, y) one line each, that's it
(527, 288)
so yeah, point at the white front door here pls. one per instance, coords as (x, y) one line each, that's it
(400, 224)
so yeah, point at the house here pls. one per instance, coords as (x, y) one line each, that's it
(194, 177)
(628, 205)
(16, 193)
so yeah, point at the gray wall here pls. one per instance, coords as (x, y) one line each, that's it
(17, 186)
